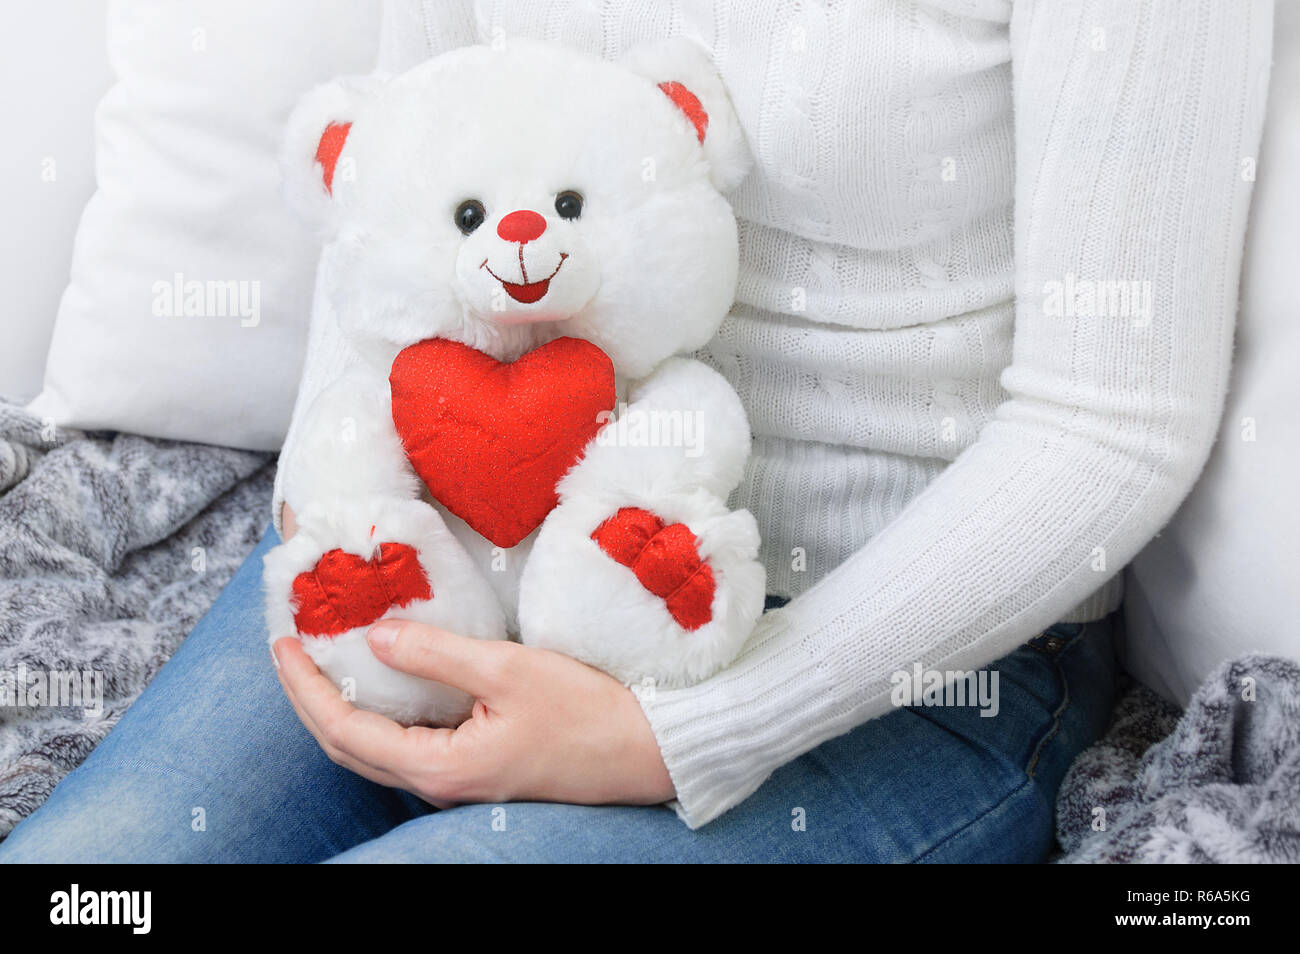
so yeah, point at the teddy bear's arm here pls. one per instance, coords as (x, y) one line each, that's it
(368, 546)
(643, 534)
(347, 447)
(683, 429)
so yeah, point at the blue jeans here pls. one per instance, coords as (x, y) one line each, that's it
(211, 764)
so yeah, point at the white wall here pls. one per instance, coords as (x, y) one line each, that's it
(53, 70)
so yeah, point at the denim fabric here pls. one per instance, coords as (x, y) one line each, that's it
(211, 764)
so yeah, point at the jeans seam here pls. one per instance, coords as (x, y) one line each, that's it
(978, 818)
(1055, 726)
(1048, 735)
(1064, 704)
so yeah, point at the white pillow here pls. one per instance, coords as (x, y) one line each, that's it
(55, 70)
(1221, 579)
(191, 285)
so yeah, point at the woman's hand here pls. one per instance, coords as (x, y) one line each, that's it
(544, 727)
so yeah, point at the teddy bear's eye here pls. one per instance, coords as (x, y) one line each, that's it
(469, 215)
(568, 204)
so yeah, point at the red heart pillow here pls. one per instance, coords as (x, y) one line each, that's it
(491, 440)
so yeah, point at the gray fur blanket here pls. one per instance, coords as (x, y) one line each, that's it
(111, 549)
(1218, 783)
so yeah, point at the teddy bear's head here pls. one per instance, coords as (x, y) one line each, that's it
(503, 197)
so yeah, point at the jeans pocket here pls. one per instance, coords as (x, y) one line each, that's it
(1082, 655)
(1055, 640)
(1053, 643)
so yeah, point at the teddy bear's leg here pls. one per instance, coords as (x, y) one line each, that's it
(367, 548)
(662, 591)
(347, 568)
(642, 570)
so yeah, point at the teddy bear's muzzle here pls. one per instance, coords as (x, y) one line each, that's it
(527, 293)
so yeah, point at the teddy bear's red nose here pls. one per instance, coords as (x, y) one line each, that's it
(522, 226)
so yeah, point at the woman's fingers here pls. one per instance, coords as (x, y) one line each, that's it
(288, 521)
(503, 751)
(336, 756)
(476, 666)
(365, 742)
(281, 649)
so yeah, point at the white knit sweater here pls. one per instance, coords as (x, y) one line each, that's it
(955, 445)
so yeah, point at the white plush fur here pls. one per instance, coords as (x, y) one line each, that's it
(347, 446)
(646, 273)
(714, 431)
(576, 600)
(303, 180)
(462, 602)
(684, 61)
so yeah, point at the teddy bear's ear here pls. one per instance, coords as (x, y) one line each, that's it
(314, 141)
(683, 71)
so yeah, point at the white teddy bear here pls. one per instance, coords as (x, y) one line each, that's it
(521, 243)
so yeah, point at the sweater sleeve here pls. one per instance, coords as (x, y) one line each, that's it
(1135, 128)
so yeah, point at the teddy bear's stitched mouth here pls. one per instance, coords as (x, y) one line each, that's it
(530, 292)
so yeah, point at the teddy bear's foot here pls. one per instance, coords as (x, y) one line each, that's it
(344, 591)
(348, 567)
(665, 560)
(663, 594)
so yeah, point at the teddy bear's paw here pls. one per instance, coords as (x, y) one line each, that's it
(348, 567)
(344, 591)
(665, 593)
(367, 683)
(665, 560)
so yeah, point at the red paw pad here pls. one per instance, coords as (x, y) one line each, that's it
(665, 561)
(344, 591)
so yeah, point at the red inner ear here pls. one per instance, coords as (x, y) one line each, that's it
(327, 153)
(688, 103)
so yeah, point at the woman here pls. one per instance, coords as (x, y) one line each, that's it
(965, 425)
